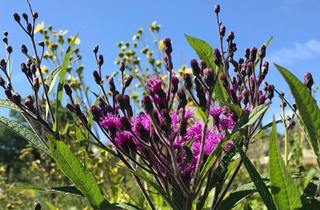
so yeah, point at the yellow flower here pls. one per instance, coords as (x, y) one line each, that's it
(39, 27)
(77, 40)
(161, 44)
(2, 168)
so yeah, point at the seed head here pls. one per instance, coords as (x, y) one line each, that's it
(9, 49)
(16, 17)
(217, 8)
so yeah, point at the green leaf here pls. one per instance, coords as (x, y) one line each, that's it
(256, 178)
(75, 171)
(79, 135)
(205, 52)
(10, 105)
(212, 157)
(309, 113)
(283, 187)
(25, 133)
(32, 59)
(310, 191)
(153, 184)
(189, 157)
(258, 58)
(242, 192)
(67, 189)
(237, 109)
(116, 206)
(247, 206)
(250, 117)
(50, 80)
(259, 132)
(62, 82)
(200, 113)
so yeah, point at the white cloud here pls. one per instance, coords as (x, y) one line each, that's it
(304, 51)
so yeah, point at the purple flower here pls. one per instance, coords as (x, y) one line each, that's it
(123, 137)
(110, 120)
(153, 84)
(216, 111)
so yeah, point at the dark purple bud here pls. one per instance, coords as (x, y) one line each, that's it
(208, 77)
(164, 127)
(224, 81)
(283, 105)
(308, 80)
(126, 100)
(2, 63)
(23, 67)
(29, 105)
(195, 67)
(5, 33)
(101, 103)
(41, 43)
(217, 57)
(182, 98)
(29, 98)
(270, 91)
(217, 8)
(253, 54)
(16, 17)
(247, 53)
(37, 206)
(8, 93)
(70, 107)
(222, 31)
(125, 123)
(68, 89)
(241, 61)
(33, 69)
(245, 96)
(262, 99)
(167, 46)
(264, 71)
(25, 16)
(112, 87)
(29, 27)
(147, 104)
(128, 81)
(156, 116)
(167, 62)
(112, 131)
(121, 66)
(100, 60)
(249, 69)
(144, 133)
(198, 84)
(29, 62)
(16, 98)
(120, 101)
(262, 52)
(175, 82)
(202, 65)
(281, 94)
(9, 49)
(230, 36)
(95, 49)
(5, 40)
(202, 98)
(187, 81)
(35, 15)
(2, 82)
(97, 77)
(265, 86)
(35, 84)
(234, 81)
(77, 109)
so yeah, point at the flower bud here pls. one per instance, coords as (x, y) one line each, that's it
(121, 66)
(9, 49)
(95, 49)
(187, 81)
(167, 62)
(245, 96)
(120, 101)
(70, 107)
(222, 31)
(224, 81)
(25, 16)
(208, 77)
(234, 81)
(217, 8)
(175, 82)
(167, 46)
(2, 82)
(195, 67)
(8, 93)
(182, 98)
(264, 70)
(29, 105)
(265, 86)
(125, 123)
(16, 17)
(41, 43)
(128, 81)
(147, 104)
(155, 117)
(202, 98)
(68, 89)
(253, 54)
(5, 40)
(100, 60)
(5, 33)
(144, 133)
(37, 206)
(77, 109)
(101, 103)
(249, 69)
(35, 15)
(270, 91)
(230, 36)
(202, 65)
(2, 64)
(16, 98)
(35, 84)
(29, 62)
(97, 77)
(112, 87)
(262, 52)
(217, 57)
(308, 80)
(247, 53)
(29, 28)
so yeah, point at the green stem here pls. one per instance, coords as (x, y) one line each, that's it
(285, 133)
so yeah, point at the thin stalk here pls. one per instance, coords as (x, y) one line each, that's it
(285, 134)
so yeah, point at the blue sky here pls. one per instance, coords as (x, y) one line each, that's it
(294, 25)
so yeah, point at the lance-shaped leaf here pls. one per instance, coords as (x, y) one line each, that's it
(205, 52)
(10, 105)
(76, 172)
(25, 133)
(283, 188)
(66, 189)
(257, 180)
(62, 82)
(309, 113)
